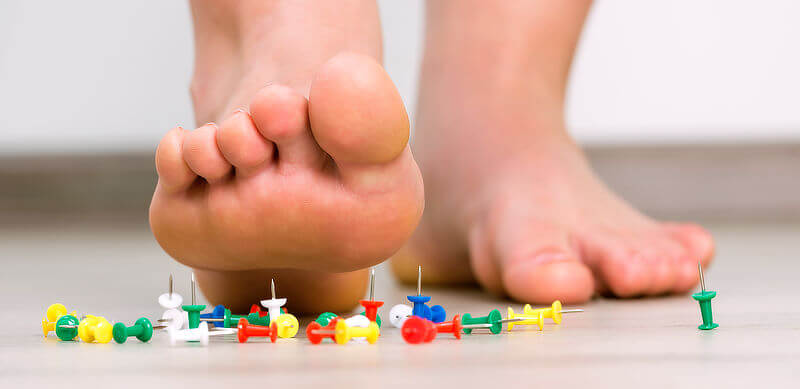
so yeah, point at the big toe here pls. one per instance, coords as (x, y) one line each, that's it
(356, 113)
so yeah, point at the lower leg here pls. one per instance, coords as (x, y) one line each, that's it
(512, 202)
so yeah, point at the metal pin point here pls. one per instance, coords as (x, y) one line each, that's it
(170, 285)
(419, 280)
(571, 310)
(272, 288)
(193, 298)
(702, 280)
(516, 319)
(477, 325)
(372, 284)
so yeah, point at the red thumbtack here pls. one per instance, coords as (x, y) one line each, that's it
(371, 306)
(316, 332)
(256, 309)
(453, 327)
(418, 330)
(247, 330)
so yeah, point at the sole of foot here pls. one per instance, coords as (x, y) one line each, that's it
(319, 184)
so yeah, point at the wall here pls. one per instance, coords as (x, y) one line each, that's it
(113, 76)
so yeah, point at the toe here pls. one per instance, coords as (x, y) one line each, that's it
(242, 145)
(696, 239)
(173, 172)
(624, 271)
(662, 272)
(686, 276)
(356, 113)
(538, 264)
(281, 115)
(202, 154)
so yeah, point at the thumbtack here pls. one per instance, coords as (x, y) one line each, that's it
(371, 306)
(67, 327)
(418, 330)
(230, 320)
(554, 312)
(256, 309)
(315, 331)
(193, 310)
(273, 305)
(343, 333)
(398, 315)
(217, 313)
(493, 321)
(142, 330)
(51, 316)
(704, 299)
(435, 313)
(171, 301)
(199, 334)
(535, 317)
(95, 329)
(247, 330)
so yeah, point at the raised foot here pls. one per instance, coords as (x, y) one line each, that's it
(324, 184)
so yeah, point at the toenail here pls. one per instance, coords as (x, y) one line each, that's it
(212, 124)
(550, 257)
(242, 110)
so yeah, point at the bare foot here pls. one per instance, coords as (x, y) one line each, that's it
(305, 189)
(511, 201)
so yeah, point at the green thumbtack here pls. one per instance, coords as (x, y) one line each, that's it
(325, 318)
(231, 320)
(193, 311)
(704, 299)
(493, 321)
(67, 327)
(142, 330)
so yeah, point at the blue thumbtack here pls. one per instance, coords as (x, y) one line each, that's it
(435, 313)
(217, 313)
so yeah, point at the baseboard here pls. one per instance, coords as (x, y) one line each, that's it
(689, 182)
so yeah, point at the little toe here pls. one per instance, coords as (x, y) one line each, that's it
(173, 173)
(242, 144)
(539, 265)
(202, 154)
(281, 115)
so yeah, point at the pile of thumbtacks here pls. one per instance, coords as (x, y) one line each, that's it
(419, 324)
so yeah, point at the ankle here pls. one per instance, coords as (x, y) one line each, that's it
(242, 46)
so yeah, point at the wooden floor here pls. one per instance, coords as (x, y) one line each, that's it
(119, 272)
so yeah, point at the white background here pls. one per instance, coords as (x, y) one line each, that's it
(113, 76)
